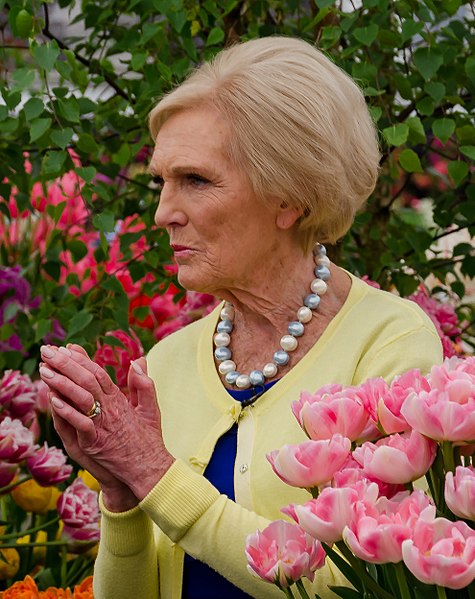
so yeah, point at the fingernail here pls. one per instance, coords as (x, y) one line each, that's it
(57, 403)
(46, 351)
(136, 367)
(65, 350)
(46, 372)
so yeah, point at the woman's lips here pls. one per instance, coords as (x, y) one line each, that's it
(181, 251)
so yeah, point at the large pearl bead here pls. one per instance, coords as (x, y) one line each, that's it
(322, 261)
(243, 381)
(296, 328)
(322, 272)
(319, 249)
(231, 377)
(222, 339)
(224, 326)
(304, 314)
(226, 366)
(281, 357)
(269, 370)
(227, 312)
(288, 343)
(256, 377)
(318, 286)
(222, 353)
(312, 301)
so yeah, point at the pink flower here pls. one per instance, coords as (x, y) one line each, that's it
(460, 492)
(17, 396)
(441, 552)
(325, 414)
(282, 554)
(397, 459)
(8, 472)
(325, 517)
(48, 466)
(119, 355)
(312, 463)
(389, 405)
(42, 404)
(16, 441)
(447, 411)
(78, 506)
(377, 530)
(370, 282)
(353, 473)
(81, 539)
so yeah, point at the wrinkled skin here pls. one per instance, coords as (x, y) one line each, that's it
(122, 447)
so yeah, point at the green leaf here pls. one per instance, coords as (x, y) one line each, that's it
(78, 322)
(104, 222)
(366, 35)
(411, 28)
(86, 173)
(216, 36)
(53, 161)
(436, 90)
(24, 23)
(43, 327)
(62, 137)
(416, 129)
(77, 248)
(458, 170)
(428, 61)
(38, 127)
(443, 129)
(470, 68)
(465, 134)
(33, 108)
(468, 151)
(87, 143)
(69, 109)
(45, 54)
(22, 79)
(410, 161)
(396, 135)
(324, 3)
(345, 592)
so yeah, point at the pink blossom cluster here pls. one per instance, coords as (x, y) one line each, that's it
(21, 400)
(78, 508)
(366, 445)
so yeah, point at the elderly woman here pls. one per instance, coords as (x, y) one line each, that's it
(262, 155)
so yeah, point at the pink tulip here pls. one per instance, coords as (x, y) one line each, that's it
(326, 414)
(460, 492)
(282, 554)
(397, 459)
(17, 396)
(352, 473)
(312, 463)
(118, 357)
(377, 530)
(48, 466)
(441, 552)
(370, 392)
(8, 471)
(325, 517)
(16, 441)
(81, 539)
(389, 406)
(78, 505)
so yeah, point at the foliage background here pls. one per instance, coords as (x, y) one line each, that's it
(88, 86)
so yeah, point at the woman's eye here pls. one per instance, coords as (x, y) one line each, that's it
(158, 181)
(197, 179)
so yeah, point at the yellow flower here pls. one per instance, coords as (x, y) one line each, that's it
(32, 497)
(9, 563)
(89, 480)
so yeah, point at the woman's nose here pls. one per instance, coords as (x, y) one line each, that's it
(168, 211)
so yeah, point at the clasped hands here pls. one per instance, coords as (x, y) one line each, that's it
(121, 446)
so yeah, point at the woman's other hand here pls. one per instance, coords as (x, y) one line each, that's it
(122, 446)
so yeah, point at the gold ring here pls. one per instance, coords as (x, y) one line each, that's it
(95, 410)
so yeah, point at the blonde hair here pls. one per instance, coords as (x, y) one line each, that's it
(299, 127)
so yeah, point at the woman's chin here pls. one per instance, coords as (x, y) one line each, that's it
(193, 281)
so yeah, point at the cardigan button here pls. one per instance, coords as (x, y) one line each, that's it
(243, 468)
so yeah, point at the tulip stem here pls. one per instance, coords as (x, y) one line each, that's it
(448, 456)
(441, 592)
(287, 591)
(64, 565)
(14, 484)
(302, 591)
(402, 581)
(39, 544)
(28, 531)
(366, 579)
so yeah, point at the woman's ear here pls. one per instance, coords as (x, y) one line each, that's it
(287, 215)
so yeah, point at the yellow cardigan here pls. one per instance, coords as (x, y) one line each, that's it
(141, 551)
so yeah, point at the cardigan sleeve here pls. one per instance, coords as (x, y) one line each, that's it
(127, 557)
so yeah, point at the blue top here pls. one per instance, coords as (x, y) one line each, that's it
(199, 580)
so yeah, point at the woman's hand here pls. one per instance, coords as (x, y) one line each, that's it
(122, 446)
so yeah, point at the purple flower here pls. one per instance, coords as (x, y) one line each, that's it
(17, 396)
(16, 441)
(48, 466)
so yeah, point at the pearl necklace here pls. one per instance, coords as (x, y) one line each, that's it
(288, 342)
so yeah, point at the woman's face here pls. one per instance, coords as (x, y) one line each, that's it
(221, 235)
